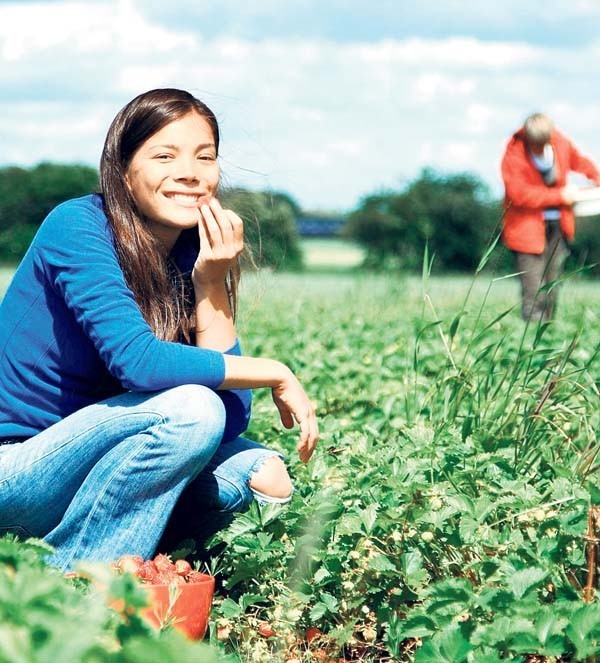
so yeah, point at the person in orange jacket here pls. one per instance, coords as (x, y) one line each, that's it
(538, 216)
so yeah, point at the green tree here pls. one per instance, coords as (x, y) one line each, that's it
(461, 218)
(270, 228)
(453, 214)
(27, 195)
(391, 227)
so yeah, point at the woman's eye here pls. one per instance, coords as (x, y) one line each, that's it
(207, 157)
(163, 157)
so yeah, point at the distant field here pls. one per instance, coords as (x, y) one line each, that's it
(331, 252)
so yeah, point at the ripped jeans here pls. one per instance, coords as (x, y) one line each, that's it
(106, 480)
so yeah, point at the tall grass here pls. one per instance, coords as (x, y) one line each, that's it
(457, 443)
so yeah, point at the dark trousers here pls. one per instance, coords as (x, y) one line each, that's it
(536, 271)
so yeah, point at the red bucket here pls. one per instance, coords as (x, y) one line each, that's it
(186, 606)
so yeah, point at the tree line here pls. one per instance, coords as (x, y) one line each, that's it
(453, 215)
(28, 194)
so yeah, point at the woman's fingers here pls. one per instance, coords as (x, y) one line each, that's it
(213, 229)
(205, 243)
(309, 435)
(294, 405)
(224, 229)
(285, 415)
(309, 432)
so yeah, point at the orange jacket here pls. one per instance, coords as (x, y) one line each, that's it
(526, 195)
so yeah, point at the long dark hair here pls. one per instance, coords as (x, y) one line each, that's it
(160, 292)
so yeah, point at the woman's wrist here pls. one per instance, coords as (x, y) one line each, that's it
(204, 287)
(254, 372)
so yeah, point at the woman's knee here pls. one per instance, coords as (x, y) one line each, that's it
(192, 405)
(193, 421)
(271, 479)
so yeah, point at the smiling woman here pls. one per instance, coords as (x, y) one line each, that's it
(123, 392)
(171, 177)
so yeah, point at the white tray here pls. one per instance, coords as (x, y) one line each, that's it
(587, 201)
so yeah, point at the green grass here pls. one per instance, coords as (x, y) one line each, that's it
(455, 441)
(443, 516)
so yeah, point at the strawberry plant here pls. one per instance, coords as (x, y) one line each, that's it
(444, 517)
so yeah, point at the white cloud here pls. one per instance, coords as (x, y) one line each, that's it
(326, 121)
(478, 119)
(456, 155)
(451, 52)
(429, 87)
(30, 29)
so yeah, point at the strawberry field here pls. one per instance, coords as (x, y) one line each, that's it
(447, 516)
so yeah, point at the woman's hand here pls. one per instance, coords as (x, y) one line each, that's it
(294, 405)
(289, 397)
(221, 241)
(567, 195)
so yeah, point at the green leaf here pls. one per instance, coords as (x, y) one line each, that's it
(330, 601)
(412, 567)
(522, 581)
(549, 625)
(321, 575)
(368, 517)
(317, 611)
(231, 609)
(584, 630)
(270, 512)
(246, 600)
(454, 324)
(453, 645)
(381, 563)
(417, 626)
(446, 646)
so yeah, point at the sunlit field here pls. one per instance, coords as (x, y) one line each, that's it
(331, 253)
(443, 517)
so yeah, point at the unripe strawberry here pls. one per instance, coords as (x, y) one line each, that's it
(223, 632)
(369, 633)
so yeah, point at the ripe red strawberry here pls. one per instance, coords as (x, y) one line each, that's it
(312, 633)
(148, 572)
(167, 578)
(265, 629)
(195, 577)
(129, 563)
(163, 563)
(182, 567)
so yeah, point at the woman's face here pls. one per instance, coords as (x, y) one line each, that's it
(172, 174)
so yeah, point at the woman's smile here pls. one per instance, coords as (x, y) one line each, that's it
(187, 199)
(172, 174)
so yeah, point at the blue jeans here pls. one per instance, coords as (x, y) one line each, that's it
(105, 480)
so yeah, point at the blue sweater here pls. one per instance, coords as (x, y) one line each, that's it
(71, 333)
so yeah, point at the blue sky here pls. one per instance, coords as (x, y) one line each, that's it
(328, 100)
